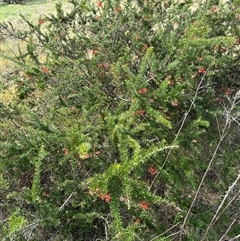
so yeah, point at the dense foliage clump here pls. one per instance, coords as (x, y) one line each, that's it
(124, 124)
(13, 1)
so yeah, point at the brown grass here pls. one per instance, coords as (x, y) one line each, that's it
(33, 11)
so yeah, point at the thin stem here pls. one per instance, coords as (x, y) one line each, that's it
(203, 178)
(66, 202)
(230, 226)
(165, 231)
(235, 238)
(185, 116)
(180, 129)
(173, 234)
(223, 134)
(229, 203)
(220, 206)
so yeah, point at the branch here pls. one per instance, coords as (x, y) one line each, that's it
(224, 132)
(66, 201)
(183, 122)
(186, 115)
(220, 206)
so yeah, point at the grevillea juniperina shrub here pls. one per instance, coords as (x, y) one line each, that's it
(124, 125)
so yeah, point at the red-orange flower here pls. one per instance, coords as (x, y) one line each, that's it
(142, 91)
(213, 9)
(202, 70)
(117, 9)
(137, 37)
(103, 66)
(45, 70)
(99, 4)
(137, 221)
(223, 49)
(152, 170)
(140, 112)
(167, 117)
(66, 152)
(145, 46)
(105, 197)
(151, 75)
(40, 21)
(144, 205)
(174, 103)
(44, 194)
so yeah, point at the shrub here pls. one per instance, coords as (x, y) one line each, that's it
(122, 122)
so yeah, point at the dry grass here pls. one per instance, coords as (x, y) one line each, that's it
(32, 11)
(7, 95)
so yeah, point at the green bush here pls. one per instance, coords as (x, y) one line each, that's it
(124, 125)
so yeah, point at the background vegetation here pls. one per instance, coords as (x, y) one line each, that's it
(32, 10)
(123, 123)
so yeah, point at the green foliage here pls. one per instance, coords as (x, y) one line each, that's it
(15, 223)
(118, 111)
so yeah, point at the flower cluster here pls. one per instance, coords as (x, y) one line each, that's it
(45, 70)
(41, 22)
(144, 205)
(104, 197)
(202, 70)
(66, 152)
(152, 170)
(99, 4)
(142, 91)
(140, 112)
